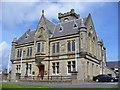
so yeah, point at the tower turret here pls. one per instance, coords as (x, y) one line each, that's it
(83, 37)
(68, 16)
(13, 48)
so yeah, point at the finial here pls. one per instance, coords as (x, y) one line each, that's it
(42, 12)
(82, 20)
(72, 11)
(14, 39)
(82, 23)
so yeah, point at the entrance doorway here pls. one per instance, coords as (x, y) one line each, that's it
(41, 71)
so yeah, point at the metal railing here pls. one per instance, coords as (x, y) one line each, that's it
(45, 78)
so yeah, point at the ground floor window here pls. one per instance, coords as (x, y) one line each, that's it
(28, 68)
(55, 67)
(18, 67)
(71, 66)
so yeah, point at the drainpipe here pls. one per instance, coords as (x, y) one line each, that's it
(49, 61)
(21, 62)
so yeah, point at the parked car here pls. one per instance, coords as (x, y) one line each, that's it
(104, 78)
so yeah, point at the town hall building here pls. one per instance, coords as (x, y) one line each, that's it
(52, 49)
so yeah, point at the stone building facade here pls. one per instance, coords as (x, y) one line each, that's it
(59, 49)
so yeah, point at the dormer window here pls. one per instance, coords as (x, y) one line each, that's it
(51, 35)
(61, 29)
(75, 25)
(26, 37)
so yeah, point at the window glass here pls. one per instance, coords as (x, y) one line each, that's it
(53, 64)
(53, 48)
(55, 67)
(42, 46)
(71, 66)
(69, 69)
(17, 67)
(73, 45)
(38, 48)
(69, 46)
(30, 68)
(73, 62)
(69, 63)
(17, 53)
(57, 47)
(30, 51)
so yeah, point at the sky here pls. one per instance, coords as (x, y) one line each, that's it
(17, 17)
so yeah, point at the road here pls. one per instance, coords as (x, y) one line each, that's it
(81, 85)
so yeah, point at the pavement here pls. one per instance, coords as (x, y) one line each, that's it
(80, 85)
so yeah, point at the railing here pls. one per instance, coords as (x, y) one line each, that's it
(45, 78)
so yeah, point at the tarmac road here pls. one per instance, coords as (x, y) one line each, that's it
(81, 85)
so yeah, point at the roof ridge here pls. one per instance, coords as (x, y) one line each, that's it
(113, 61)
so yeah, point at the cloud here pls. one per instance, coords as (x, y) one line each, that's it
(60, 1)
(112, 57)
(4, 54)
(16, 13)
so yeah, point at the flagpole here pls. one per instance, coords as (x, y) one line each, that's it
(21, 61)
(9, 62)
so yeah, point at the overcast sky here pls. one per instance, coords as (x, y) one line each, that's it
(18, 17)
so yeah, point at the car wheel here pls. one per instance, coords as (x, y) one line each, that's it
(112, 80)
(97, 80)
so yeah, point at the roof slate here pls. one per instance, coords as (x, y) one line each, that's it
(113, 64)
(30, 38)
(67, 26)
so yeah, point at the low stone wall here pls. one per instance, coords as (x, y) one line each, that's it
(48, 81)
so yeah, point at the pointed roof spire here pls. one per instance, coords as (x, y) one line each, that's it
(82, 23)
(14, 39)
(42, 12)
(82, 26)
